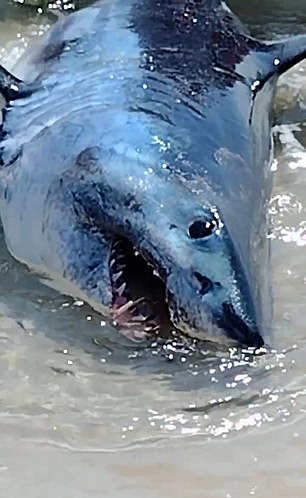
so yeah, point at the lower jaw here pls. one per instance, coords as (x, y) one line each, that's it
(136, 327)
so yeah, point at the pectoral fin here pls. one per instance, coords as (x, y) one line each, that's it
(11, 87)
(287, 53)
(274, 58)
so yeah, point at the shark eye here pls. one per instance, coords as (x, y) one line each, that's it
(200, 229)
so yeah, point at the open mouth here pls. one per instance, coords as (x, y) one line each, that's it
(139, 299)
(139, 295)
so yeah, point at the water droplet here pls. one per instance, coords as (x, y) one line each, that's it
(254, 85)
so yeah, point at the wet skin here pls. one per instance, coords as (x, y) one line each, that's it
(135, 165)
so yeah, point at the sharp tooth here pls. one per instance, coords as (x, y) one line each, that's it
(123, 308)
(138, 319)
(155, 272)
(121, 289)
(116, 276)
(112, 262)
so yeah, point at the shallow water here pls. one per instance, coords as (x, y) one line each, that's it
(85, 413)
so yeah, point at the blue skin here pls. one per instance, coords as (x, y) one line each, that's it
(145, 123)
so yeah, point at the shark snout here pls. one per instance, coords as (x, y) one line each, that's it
(210, 310)
(241, 329)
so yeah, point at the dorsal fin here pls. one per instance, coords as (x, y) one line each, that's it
(11, 87)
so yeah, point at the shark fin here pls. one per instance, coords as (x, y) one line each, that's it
(276, 57)
(11, 87)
